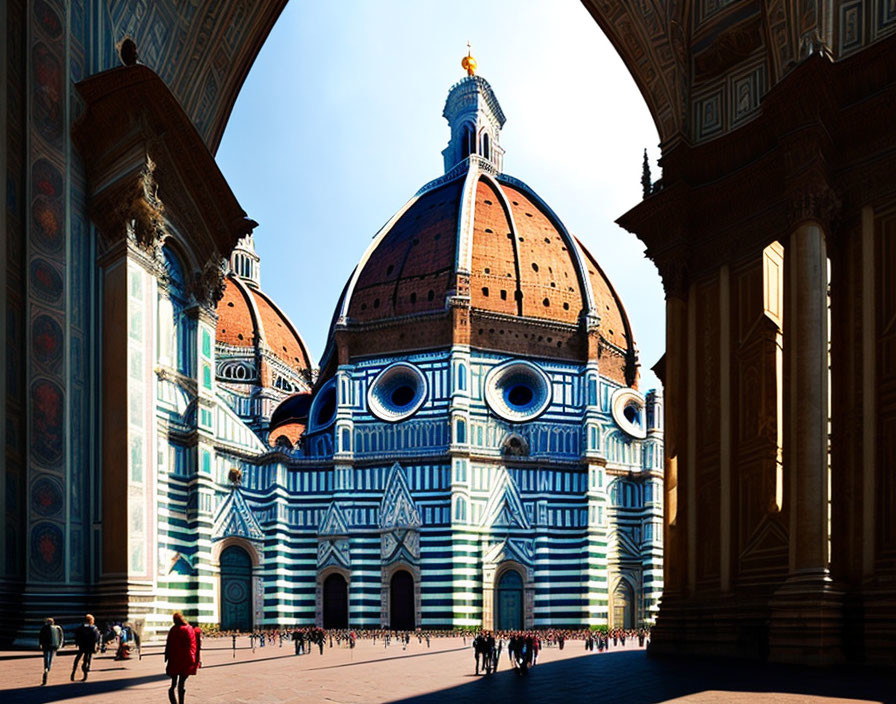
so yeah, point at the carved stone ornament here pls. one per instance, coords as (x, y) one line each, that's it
(820, 204)
(143, 212)
(208, 284)
(674, 272)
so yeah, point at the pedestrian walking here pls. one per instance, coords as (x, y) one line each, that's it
(87, 638)
(51, 638)
(181, 656)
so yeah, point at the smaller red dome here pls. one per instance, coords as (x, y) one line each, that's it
(286, 435)
(292, 408)
(247, 317)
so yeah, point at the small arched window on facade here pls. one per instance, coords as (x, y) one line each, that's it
(468, 142)
(177, 294)
(460, 509)
(486, 149)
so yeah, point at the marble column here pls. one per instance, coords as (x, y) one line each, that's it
(807, 454)
(672, 620)
(806, 610)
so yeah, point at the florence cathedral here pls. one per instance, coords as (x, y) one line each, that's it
(473, 448)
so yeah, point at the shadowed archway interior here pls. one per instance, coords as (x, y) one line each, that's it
(401, 601)
(236, 589)
(335, 602)
(510, 601)
(623, 606)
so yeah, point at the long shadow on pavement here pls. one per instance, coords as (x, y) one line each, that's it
(394, 657)
(68, 690)
(633, 677)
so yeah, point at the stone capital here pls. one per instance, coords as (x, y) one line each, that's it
(131, 210)
(818, 203)
(674, 270)
(208, 283)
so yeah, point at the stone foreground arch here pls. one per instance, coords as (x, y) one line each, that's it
(773, 230)
(53, 530)
(205, 52)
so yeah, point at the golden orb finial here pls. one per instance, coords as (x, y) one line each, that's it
(469, 63)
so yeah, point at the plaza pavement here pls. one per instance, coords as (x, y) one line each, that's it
(442, 673)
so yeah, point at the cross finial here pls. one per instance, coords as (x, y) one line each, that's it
(469, 63)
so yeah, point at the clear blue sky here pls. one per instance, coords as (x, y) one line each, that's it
(340, 122)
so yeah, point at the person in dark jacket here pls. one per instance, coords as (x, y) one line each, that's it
(182, 656)
(87, 638)
(478, 649)
(51, 638)
(488, 653)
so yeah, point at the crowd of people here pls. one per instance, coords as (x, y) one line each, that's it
(183, 644)
(523, 648)
(182, 648)
(87, 639)
(305, 639)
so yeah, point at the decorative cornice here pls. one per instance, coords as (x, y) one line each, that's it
(474, 161)
(139, 149)
(545, 323)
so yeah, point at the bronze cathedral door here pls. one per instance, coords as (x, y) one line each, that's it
(236, 590)
(510, 602)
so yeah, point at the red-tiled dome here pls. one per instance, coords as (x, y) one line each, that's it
(489, 240)
(286, 435)
(415, 257)
(289, 419)
(246, 317)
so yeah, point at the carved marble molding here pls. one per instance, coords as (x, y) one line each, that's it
(820, 204)
(131, 210)
(208, 283)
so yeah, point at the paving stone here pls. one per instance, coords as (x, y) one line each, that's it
(372, 674)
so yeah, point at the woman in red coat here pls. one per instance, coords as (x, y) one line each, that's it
(181, 655)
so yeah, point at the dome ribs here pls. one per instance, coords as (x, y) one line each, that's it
(280, 335)
(530, 282)
(237, 323)
(614, 324)
(415, 257)
(548, 271)
(494, 260)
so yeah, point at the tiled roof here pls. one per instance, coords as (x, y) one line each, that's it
(247, 316)
(412, 268)
(520, 259)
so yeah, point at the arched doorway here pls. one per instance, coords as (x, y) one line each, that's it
(401, 601)
(335, 601)
(510, 602)
(236, 589)
(623, 606)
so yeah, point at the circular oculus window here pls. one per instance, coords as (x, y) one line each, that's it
(627, 406)
(397, 392)
(323, 408)
(517, 391)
